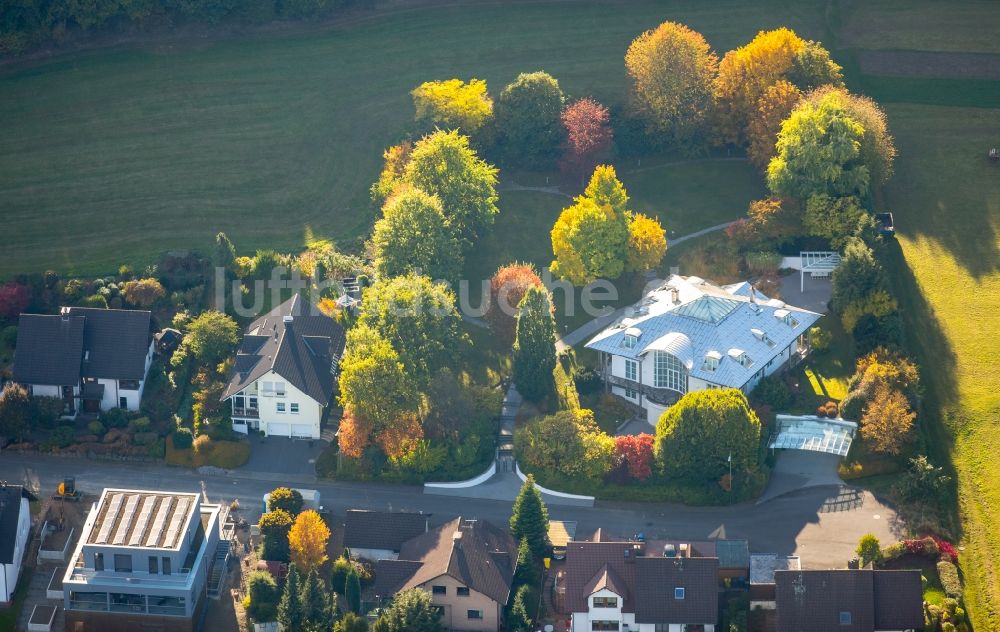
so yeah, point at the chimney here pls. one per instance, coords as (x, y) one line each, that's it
(675, 295)
(753, 294)
(64, 312)
(287, 319)
(456, 539)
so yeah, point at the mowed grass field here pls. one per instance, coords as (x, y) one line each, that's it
(113, 156)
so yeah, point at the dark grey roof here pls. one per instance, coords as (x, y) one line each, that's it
(814, 601)
(115, 342)
(386, 530)
(10, 512)
(302, 352)
(473, 552)
(898, 600)
(49, 349)
(658, 578)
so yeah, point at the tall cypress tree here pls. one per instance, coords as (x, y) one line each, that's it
(352, 590)
(290, 614)
(530, 518)
(526, 572)
(534, 345)
(315, 602)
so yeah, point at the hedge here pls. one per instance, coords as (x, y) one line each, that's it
(950, 581)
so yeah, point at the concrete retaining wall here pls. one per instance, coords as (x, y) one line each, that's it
(575, 497)
(472, 482)
(50, 554)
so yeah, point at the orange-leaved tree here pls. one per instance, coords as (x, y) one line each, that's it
(507, 288)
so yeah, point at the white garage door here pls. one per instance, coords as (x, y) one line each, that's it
(278, 430)
(302, 430)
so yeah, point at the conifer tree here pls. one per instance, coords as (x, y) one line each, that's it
(534, 345)
(290, 614)
(530, 518)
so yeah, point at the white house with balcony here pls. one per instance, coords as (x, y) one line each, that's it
(143, 561)
(283, 377)
(688, 334)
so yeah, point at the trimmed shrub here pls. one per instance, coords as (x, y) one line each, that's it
(182, 438)
(285, 498)
(62, 437)
(115, 418)
(139, 425)
(773, 392)
(925, 547)
(950, 582)
(853, 405)
(948, 551)
(95, 428)
(893, 551)
(263, 595)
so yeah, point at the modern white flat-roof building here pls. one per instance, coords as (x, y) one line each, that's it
(687, 334)
(142, 562)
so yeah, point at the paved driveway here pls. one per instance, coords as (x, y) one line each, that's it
(282, 456)
(801, 469)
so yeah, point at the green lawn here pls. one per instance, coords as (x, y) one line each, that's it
(114, 156)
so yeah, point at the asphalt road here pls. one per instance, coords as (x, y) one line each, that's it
(821, 525)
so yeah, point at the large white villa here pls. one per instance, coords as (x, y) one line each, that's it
(687, 334)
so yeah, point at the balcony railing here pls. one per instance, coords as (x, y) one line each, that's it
(246, 413)
(662, 396)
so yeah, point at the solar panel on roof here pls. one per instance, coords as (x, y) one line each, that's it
(145, 515)
(126, 519)
(161, 518)
(176, 521)
(110, 518)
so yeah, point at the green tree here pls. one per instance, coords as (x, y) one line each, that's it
(290, 614)
(315, 603)
(672, 69)
(452, 104)
(419, 319)
(589, 243)
(819, 151)
(274, 528)
(285, 498)
(410, 611)
(534, 345)
(443, 164)
(413, 236)
(351, 622)
(264, 596)
(352, 590)
(869, 549)
(857, 277)
(373, 382)
(518, 620)
(224, 254)
(837, 219)
(211, 337)
(528, 119)
(15, 412)
(526, 572)
(813, 68)
(530, 519)
(696, 436)
(568, 442)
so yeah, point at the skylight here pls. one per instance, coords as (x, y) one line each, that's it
(709, 309)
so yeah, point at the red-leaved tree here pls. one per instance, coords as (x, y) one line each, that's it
(398, 438)
(507, 288)
(588, 136)
(637, 451)
(14, 299)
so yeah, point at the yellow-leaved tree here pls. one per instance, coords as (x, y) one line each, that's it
(647, 242)
(307, 540)
(888, 420)
(453, 104)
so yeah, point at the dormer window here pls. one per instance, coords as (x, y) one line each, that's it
(845, 618)
(605, 602)
(786, 317)
(711, 362)
(629, 341)
(761, 335)
(740, 356)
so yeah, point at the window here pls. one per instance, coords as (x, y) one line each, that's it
(128, 385)
(631, 370)
(462, 591)
(122, 402)
(253, 402)
(678, 593)
(475, 614)
(98, 561)
(154, 565)
(267, 389)
(294, 408)
(605, 602)
(668, 372)
(123, 563)
(439, 590)
(711, 363)
(279, 389)
(631, 393)
(661, 627)
(604, 625)
(629, 341)
(845, 618)
(166, 566)
(239, 402)
(281, 407)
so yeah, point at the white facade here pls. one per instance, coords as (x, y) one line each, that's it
(605, 611)
(276, 408)
(9, 573)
